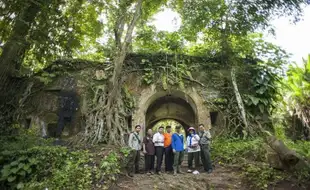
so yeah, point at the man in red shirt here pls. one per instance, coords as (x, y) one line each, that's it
(168, 150)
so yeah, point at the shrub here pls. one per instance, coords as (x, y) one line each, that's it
(261, 176)
(237, 150)
(45, 167)
(112, 164)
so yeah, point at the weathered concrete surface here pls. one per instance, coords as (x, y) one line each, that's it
(152, 102)
(185, 105)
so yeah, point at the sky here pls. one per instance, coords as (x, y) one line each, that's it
(294, 38)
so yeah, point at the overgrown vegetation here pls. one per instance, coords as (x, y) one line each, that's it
(217, 46)
(29, 162)
(251, 156)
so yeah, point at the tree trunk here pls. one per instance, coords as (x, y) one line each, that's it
(238, 98)
(107, 122)
(121, 55)
(282, 157)
(11, 60)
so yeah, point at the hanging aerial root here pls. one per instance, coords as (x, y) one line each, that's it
(105, 124)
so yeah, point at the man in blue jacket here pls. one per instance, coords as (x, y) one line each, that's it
(178, 150)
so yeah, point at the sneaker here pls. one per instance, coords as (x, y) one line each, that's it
(189, 171)
(209, 171)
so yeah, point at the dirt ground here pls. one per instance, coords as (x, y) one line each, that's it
(221, 178)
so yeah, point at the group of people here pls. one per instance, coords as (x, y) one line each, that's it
(171, 146)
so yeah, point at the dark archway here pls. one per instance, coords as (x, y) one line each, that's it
(171, 106)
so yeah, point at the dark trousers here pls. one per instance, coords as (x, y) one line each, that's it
(206, 157)
(159, 151)
(149, 162)
(133, 162)
(178, 159)
(168, 158)
(193, 156)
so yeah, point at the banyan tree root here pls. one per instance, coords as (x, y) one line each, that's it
(105, 123)
(281, 157)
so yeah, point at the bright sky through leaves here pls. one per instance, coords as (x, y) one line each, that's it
(294, 38)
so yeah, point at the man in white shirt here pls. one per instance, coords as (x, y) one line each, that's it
(158, 140)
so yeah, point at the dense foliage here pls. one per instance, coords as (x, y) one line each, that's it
(251, 157)
(29, 162)
(214, 36)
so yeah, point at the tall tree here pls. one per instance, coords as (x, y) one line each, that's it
(107, 121)
(226, 22)
(296, 98)
(13, 53)
(35, 32)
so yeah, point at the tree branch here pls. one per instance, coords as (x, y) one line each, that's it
(120, 57)
(238, 97)
(195, 81)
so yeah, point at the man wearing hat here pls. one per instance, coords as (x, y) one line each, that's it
(193, 149)
(177, 144)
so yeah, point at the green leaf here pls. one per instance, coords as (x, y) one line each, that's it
(6, 172)
(254, 100)
(26, 166)
(20, 185)
(261, 108)
(20, 165)
(22, 173)
(33, 161)
(261, 90)
(14, 170)
(15, 163)
(29, 170)
(11, 178)
(22, 158)
(189, 74)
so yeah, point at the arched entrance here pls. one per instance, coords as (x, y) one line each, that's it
(174, 106)
(154, 104)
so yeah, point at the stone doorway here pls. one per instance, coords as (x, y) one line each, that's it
(185, 107)
(171, 107)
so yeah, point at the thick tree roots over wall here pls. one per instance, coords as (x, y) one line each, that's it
(104, 123)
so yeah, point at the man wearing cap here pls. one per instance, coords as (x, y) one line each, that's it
(193, 149)
(177, 144)
(205, 140)
(158, 140)
(168, 150)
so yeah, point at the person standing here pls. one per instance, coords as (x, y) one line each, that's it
(168, 150)
(134, 143)
(149, 152)
(158, 140)
(205, 141)
(177, 144)
(193, 149)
